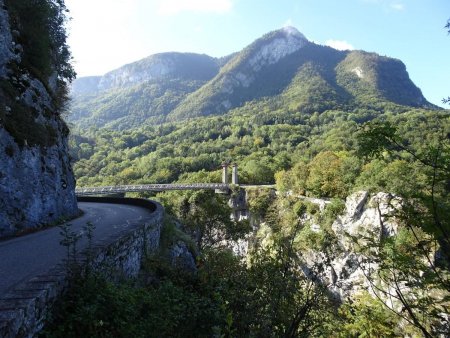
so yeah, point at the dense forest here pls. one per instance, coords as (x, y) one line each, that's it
(262, 142)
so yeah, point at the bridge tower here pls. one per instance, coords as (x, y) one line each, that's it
(225, 173)
(234, 174)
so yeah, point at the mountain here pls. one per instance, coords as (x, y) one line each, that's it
(182, 66)
(146, 89)
(282, 67)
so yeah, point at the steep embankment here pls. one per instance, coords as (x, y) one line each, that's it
(36, 178)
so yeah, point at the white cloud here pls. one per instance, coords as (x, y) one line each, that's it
(397, 6)
(339, 44)
(171, 7)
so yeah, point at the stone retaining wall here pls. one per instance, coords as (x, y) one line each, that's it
(23, 310)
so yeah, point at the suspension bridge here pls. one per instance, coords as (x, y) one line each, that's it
(222, 188)
(219, 187)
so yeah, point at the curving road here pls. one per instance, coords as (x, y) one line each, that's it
(24, 257)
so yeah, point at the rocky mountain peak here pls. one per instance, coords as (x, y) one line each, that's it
(277, 45)
(292, 31)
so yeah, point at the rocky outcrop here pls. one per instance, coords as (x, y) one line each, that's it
(367, 218)
(288, 41)
(6, 43)
(274, 50)
(36, 184)
(36, 180)
(127, 75)
(180, 257)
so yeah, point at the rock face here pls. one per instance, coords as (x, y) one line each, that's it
(36, 180)
(281, 46)
(36, 184)
(181, 258)
(6, 45)
(365, 216)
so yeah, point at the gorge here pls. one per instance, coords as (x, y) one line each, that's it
(353, 242)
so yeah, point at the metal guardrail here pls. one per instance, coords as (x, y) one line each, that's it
(149, 187)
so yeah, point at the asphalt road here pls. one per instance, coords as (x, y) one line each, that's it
(27, 256)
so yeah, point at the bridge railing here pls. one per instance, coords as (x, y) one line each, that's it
(149, 187)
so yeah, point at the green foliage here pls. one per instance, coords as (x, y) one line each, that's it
(421, 177)
(40, 37)
(216, 301)
(287, 302)
(328, 174)
(316, 78)
(205, 217)
(365, 316)
(259, 201)
(43, 37)
(313, 79)
(97, 308)
(397, 176)
(124, 107)
(171, 233)
(313, 155)
(333, 210)
(376, 137)
(258, 171)
(313, 149)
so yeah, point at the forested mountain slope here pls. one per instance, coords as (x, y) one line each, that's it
(282, 67)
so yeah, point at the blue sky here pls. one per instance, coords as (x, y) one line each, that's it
(105, 34)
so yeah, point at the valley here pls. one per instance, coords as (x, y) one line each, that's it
(350, 127)
(337, 225)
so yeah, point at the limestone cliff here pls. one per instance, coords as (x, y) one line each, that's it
(365, 218)
(345, 269)
(36, 179)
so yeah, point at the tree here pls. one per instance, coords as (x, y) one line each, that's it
(206, 217)
(447, 26)
(43, 37)
(410, 273)
(282, 300)
(326, 175)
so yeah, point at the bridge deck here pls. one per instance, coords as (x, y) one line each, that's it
(149, 187)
